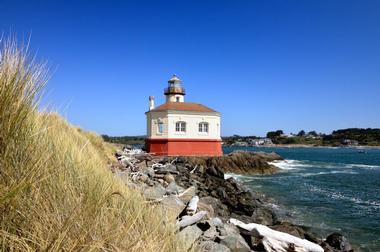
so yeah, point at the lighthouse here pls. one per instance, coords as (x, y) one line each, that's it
(179, 128)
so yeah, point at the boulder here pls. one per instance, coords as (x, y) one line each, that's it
(211, 233)
(216, 222)
(339, 242)
(210, 246)
(142, 166)
(189, 235)
(154, 192)
(173, 204)
(173, 188)
(220, 209)
(127, 147)
(240, 162)
(143, 177)
(169, 168)
(186, 195)
(289, 228)
(169, 178)
(150, 172)
(143, 157)
(202, 206)
(235, 243)
(263, 216)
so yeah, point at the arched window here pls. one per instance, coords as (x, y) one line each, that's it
(180, 126)
(203, 127)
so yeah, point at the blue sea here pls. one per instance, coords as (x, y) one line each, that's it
(328, 189)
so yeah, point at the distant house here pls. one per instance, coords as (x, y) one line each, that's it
(350, 142)
(240, 144)
(260, 142)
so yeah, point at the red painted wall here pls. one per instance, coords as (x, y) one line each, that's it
(184, 147)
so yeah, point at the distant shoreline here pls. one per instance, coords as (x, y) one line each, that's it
(310, 146)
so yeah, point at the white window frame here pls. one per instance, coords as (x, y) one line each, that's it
(160, 128)
(180, 127)
(203, 127)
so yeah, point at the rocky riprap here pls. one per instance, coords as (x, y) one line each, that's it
(178, 184)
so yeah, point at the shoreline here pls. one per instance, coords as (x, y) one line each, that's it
(306, 146)
(164, 180)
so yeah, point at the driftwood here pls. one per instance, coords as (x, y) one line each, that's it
(192, 206)
(189, 220)
(193, 170)
(276, 241)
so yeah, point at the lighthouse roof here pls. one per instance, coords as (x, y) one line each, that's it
(184, 106)
(174, 79)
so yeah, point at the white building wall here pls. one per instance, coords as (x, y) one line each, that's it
(192, 125)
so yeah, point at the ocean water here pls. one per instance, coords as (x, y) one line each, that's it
(328, 189)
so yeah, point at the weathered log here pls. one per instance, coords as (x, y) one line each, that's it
(192, 206)
(193, 170)
(189, 220)
(277, 241)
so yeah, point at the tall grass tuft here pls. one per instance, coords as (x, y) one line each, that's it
(55, 190)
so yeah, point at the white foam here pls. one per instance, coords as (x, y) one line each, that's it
(290, 164)
(341, 196)
(363, 166)
(329, 172)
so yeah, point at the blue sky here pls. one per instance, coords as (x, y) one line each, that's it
(265, 65)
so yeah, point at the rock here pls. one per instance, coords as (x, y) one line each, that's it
(142, 166)
(240, 162)
(214, 171)
(235, 243)
(127, 147)
(230, 229)
(263, 216)
(210, 246)
(174, 204)
(173, 188)
(187, 194)
(119, 153)
(219, 208)
(150, 172)
(143, 157)
(180, 160)
(189, 235)
(169, 178)
(339, 242)
(289, 228)
(169, 168)
(221, 193)
(155, 192)
(216, 222)
(143, 177)
(211, 233)
(327, 248)
(202, 206)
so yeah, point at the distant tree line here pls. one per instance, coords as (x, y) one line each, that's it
(229, 140)
(124, 139)
(351, 136)
(362, 136)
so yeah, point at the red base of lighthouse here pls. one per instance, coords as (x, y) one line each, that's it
(184, 147)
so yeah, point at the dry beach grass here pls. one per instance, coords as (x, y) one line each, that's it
(56, 192)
